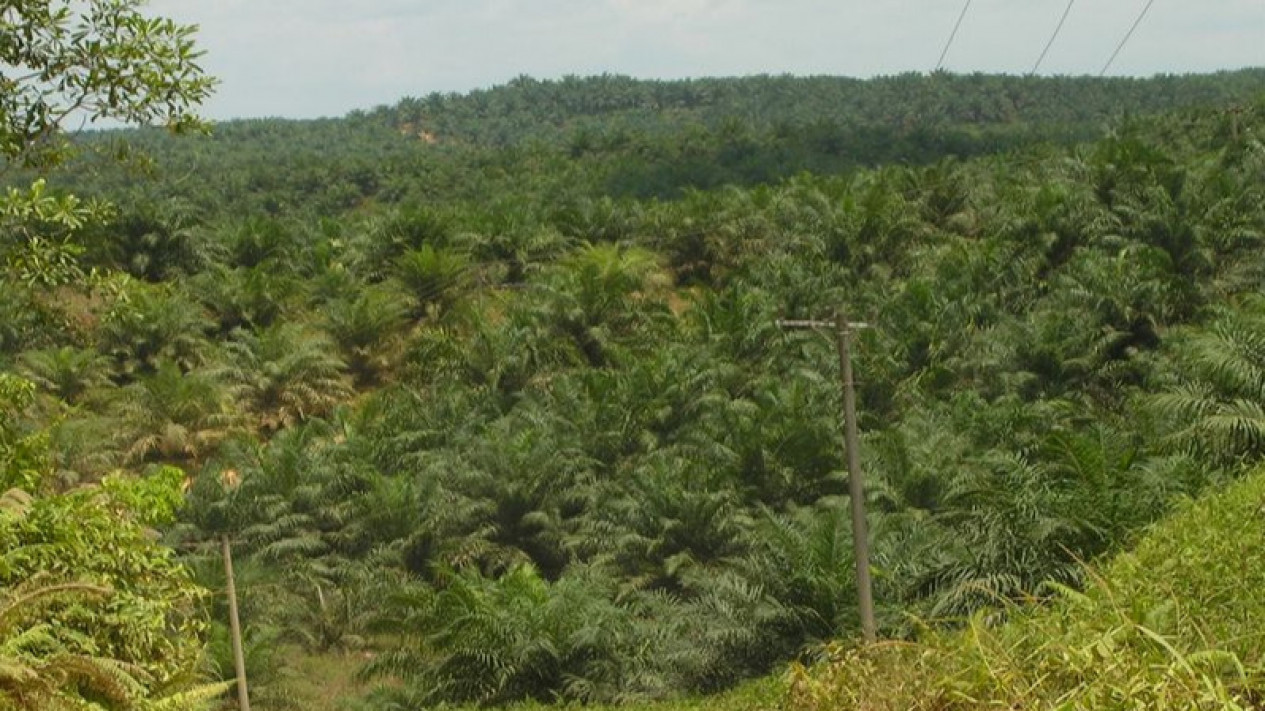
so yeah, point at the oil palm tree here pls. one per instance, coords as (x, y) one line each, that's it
(69, 373)
(521, 250)
(601, 291)
(245, 297)
(662, 524)
(803, 558)
(174, 416)
(151, 241)
(434, 276)
(365, 326)
(151, 323)
(285, 374)
(1215, 399)
(514, 637)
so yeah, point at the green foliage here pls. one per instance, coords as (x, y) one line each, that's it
(263, 649)
(93, 612)
(150, 242)
(103, 59)
(581, 140)
(434, 276)
(479, 640)
(38, 245)
(1215, 403)
(471, 409)
(365, 326)
(286, 375)
(69, 373)
(23, 453)
(255, 297)
(151, 618)
(146, 324)
(91, 608)
(1173, 624)
(173, 416)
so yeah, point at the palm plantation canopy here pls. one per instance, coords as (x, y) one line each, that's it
(490, 388)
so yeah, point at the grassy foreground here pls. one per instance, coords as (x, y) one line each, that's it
(1179, 623)
(328, 683)
(757, 695)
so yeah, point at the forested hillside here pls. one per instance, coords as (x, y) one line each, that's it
(554, 111)
(586, 139)
(489, 390)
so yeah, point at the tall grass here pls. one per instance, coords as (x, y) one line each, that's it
(1179, 623)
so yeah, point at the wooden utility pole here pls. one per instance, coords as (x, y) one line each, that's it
(1235, 112)
(235, 627)
(856, 485)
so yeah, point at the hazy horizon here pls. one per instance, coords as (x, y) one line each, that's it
(508, 80)
(320, 58)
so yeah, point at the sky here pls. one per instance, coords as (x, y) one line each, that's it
(310, 58)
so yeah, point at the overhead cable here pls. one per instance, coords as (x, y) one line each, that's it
(953, 35)
(1125, 41)
(1062, 20)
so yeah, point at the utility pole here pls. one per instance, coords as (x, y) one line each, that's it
(1235, 113)
(856, 485)
(235, 627)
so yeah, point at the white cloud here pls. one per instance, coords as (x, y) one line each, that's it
(659, 12)
(326, 57)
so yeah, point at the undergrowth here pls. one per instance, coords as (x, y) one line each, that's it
(757, 695)
(1175, 624)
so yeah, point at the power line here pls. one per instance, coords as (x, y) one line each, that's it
(953, 35)
(1125, 41)
(1053, 37)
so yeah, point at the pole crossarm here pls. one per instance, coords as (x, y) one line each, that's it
(801, 324)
